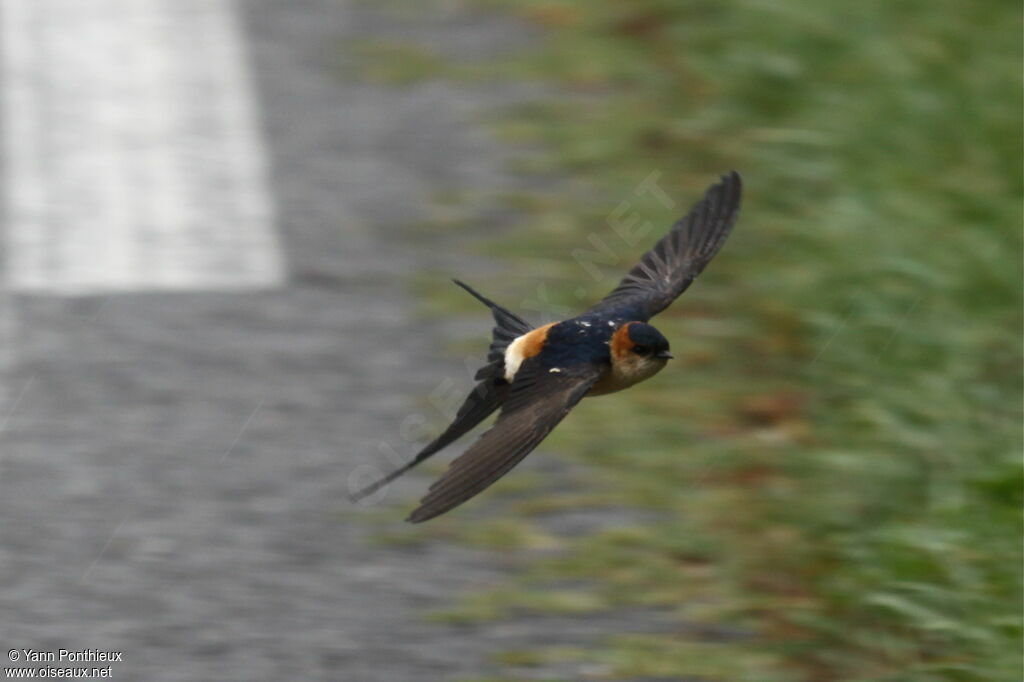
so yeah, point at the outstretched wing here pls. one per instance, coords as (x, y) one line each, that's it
(538, 400)
(666, 270)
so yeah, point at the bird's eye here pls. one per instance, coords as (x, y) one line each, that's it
(641, 350)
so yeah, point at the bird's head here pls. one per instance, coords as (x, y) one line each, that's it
(638, 351)
(643, 340)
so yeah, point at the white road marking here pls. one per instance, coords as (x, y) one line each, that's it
(132, 152)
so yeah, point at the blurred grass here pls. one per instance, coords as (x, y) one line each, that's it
(837, 452)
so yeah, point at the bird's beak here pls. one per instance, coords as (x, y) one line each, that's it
(664, 354)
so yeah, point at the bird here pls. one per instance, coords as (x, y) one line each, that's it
(534, 376)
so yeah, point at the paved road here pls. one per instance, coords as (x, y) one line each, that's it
(173, 464)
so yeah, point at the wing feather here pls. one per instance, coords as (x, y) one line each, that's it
(665, 271)
(539, 400)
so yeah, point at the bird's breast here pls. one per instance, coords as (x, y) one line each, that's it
(626, 372)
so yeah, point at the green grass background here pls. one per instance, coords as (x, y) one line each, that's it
(836, 455)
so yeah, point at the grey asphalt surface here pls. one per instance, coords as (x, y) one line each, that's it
(173, 467)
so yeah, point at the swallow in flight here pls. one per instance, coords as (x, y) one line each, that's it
(536, 375)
